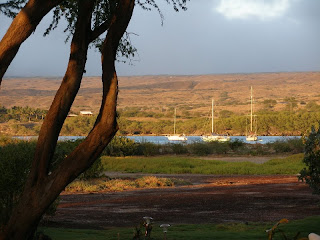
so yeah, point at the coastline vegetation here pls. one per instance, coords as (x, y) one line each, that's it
(27, 121)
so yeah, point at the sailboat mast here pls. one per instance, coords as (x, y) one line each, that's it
(212, 103)
(251, 115)
(174, 121)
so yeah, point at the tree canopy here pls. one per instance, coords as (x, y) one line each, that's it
(87, 22)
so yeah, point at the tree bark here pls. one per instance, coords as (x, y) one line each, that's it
(42, 188)
(21, 28)
(19, 225)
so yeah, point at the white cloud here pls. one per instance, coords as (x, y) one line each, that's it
(261, 9)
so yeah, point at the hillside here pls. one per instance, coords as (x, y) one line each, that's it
(230, 91)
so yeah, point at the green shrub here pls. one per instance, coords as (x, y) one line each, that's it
(219, 147)
(203, 148)
(15, 163)
(120, 147)
(147, 149)
(200, 149)
(236, 144)
(311, 174)
(294, 145)
(179, 148)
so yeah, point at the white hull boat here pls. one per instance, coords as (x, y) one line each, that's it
(214, 137)
(253, 135)
(176, 137)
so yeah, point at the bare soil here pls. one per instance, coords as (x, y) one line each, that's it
(209, 199)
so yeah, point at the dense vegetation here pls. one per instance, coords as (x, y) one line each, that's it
(27, 121)
(15, 163)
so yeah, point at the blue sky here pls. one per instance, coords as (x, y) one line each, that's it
(211, 37)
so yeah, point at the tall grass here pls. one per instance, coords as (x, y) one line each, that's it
(177, 165)
(96, 185)
(230, 231)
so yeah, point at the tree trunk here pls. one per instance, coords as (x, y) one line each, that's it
(42, 187)
(21, 28)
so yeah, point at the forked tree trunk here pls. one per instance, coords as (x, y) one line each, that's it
(20, 29)
(42, 188)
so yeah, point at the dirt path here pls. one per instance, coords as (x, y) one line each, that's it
(212, 199)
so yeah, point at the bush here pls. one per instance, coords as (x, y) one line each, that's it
(147, 149)
(200, 149)
(5, 140)
(311, 174)
(294, 145)
(120, 147)
(15, 163)
(219, 147)
(179, 148)
(236, 144)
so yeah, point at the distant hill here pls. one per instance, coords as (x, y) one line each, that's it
(230, 91)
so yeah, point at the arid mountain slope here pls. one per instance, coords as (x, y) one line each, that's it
(230, 91)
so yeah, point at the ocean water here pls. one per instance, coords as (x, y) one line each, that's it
(191, 139)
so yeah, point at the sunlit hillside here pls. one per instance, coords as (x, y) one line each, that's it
(162, 93)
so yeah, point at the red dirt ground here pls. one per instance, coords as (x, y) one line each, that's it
(211, 199)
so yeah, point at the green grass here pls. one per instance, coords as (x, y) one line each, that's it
(177, 165)
(252, 231)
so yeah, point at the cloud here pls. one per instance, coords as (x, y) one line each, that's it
(244, 9)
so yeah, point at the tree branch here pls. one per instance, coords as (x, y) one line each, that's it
(65, 95)
(99, 30)
(21, 28)
(105, 126)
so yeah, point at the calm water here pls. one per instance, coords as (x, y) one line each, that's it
(191, 139)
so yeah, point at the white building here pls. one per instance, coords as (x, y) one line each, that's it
(86, 113)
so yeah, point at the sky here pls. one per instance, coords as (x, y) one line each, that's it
(211, 37)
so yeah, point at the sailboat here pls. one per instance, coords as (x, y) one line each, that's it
(176, 137)
(214, 137)
(252, 136)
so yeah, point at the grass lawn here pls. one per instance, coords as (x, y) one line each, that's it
(250, 231)
(178, 164)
